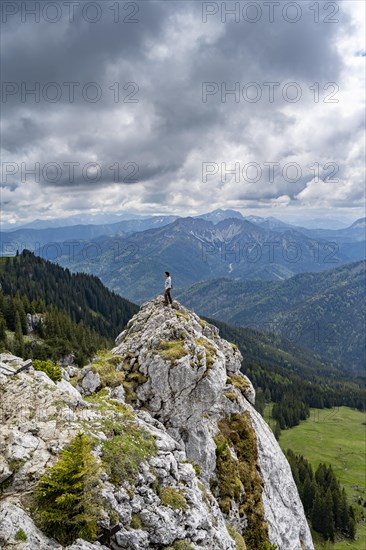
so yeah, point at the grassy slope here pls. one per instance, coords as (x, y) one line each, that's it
(335, 436)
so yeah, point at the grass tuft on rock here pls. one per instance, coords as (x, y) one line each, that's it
(210, 351)
(116, 370)
(237, 537)
(173, 498)
(21, 535)
(105, 364)
(123, 453)
(181, 545)
(239, 382)
(232, 395)
(180, 314)
(136, 522)
(171, 350)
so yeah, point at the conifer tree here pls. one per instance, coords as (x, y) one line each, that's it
(308, 495)
(68, 494)
(351, 529)
(328, 519)
(18, 337)
(277, 430)
(9, 313)
(317, 513)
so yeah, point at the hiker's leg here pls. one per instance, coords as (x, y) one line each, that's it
(166, 298)
(170, 298)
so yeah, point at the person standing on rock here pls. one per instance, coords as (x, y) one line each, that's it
(168, 286)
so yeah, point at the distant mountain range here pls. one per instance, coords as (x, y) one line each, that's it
(111, 218)
(40, 233)
(196, 249)
(323, 312)
(130, 256)
(33, 237)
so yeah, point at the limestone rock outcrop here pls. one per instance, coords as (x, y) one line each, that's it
(213, 471)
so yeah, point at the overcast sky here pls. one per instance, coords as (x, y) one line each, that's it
(144, 90)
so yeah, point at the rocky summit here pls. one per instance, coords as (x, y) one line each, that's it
(173, 454)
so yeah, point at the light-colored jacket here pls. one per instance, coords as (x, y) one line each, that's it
(168, 283)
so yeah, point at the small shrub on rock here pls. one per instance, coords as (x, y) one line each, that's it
(53, 370)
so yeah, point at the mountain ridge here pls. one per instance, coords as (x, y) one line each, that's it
(177, 384)
(322, 311)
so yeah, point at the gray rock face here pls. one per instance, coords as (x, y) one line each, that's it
(187, 366)
(15, 520)
(188, 380)
(193, 381)
(40, 419)
(90, 381)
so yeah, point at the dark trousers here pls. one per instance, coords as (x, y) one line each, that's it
(167, 297)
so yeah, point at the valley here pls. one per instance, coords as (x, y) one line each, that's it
(337, 437)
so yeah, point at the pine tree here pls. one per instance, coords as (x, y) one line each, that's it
(68, 494)
(9, 313)
(317, 513)
(328, 525)
(18, 337)
(351, 529)
(344, 511)
(308, 495)
(19, 307)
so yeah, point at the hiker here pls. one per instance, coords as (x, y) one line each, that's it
(168, 286)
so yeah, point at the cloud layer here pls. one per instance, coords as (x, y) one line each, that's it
(128, 114)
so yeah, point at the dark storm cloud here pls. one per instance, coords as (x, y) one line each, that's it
(168, 54)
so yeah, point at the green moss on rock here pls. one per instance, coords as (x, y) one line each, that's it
(173, 498)
(237, 537)
(210, 351)
(238, 478)
(171, 350)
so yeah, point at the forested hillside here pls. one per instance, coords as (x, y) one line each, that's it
(292, 377)
(323, 312)
(83, 297)
(48, 313)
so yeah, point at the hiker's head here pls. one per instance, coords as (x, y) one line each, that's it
(167, 274)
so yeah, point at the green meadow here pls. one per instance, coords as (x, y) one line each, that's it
(337, 437)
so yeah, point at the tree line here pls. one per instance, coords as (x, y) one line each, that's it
(325, 502)
(53, 334)
(81, 296)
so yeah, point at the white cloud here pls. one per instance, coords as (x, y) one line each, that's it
(169, 133)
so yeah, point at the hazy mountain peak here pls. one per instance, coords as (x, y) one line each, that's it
(220, 214)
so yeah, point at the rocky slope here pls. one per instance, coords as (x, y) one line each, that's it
(186, 461)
